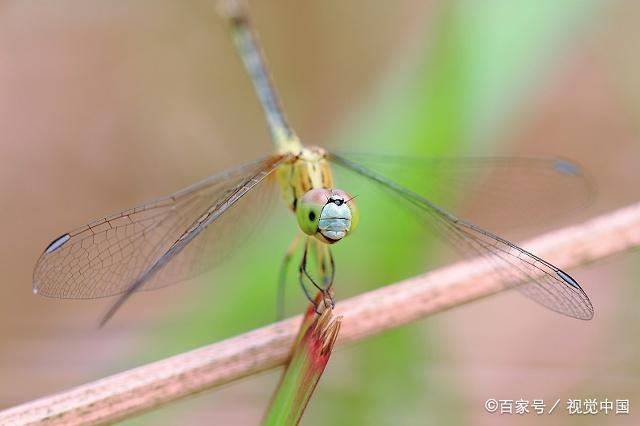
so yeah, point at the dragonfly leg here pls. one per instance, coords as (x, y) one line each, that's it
(329, 287)
(327, 295)
(328, 270)
(325, 289)
(282, 278)
(303, 267)
(328, 278)
(302, 272)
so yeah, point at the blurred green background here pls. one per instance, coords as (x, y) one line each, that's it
(107, 104)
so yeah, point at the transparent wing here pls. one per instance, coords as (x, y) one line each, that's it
(514, 191)
(533, 276)
(122, 252)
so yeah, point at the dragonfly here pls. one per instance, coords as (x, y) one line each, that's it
(174, 238)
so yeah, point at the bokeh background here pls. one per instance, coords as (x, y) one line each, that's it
(104, 105)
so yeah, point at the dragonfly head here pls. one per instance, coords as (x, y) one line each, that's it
(327, 214)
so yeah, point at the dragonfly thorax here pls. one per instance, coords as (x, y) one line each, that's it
(309, 169)
(327, 214)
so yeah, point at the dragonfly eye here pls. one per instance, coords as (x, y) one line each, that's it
(327, 214)
(309, 208)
